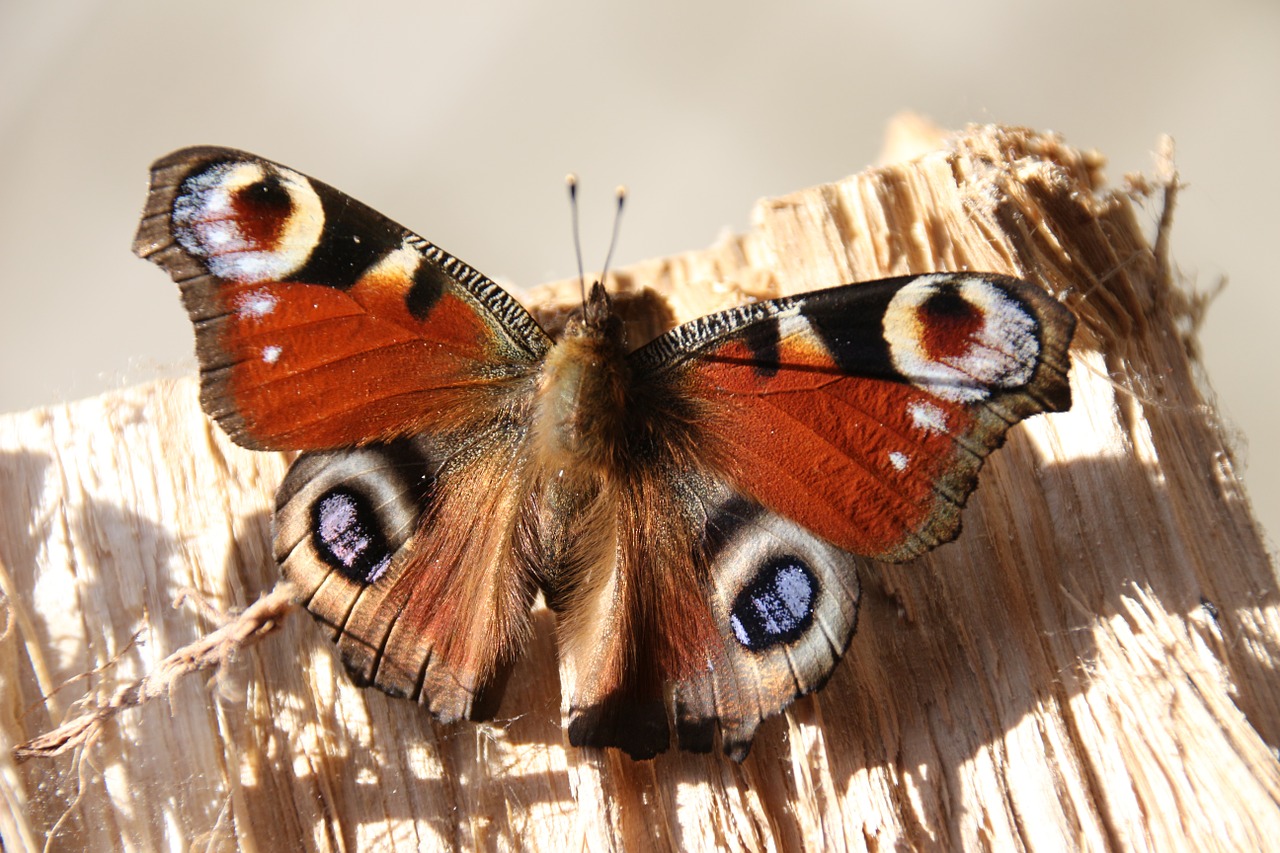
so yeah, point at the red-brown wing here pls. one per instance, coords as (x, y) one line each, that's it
(864, 412)
(319, 322)
(706, 603)
(406, 551)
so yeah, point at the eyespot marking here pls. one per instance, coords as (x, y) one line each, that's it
(346, 535)
(248, 221)
(776, 607)
(959, 337)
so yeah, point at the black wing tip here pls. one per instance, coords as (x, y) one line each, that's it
(639, 730)
(1057, 397)
(698, 735)
(167, 173)
(200, 154)
(487, 700)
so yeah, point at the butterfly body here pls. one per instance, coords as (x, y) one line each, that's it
(583, 393)
(692, 510)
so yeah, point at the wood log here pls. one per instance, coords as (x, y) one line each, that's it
(1091, 664)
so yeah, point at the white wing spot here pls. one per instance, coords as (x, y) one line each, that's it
(259, 303)
(401, 263)
(218, 235)
(899, 460)
(271, 354)
(927, 416)
(791, 323)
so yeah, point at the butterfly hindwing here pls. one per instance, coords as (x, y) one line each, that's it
(786, 605)
(319, 322)
(406, 551)
(762, 616)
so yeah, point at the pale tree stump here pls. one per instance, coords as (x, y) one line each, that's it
(1091, 664)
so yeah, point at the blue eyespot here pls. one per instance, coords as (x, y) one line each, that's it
(777, 606)
(346, 535)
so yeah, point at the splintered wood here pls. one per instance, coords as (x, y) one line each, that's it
(1091, 664)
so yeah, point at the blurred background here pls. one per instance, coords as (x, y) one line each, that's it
(460, 120)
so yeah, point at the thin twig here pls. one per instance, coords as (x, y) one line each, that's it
(261, 618)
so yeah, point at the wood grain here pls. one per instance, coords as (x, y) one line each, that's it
(1091, 664)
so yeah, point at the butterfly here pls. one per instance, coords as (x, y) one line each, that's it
(692, 510)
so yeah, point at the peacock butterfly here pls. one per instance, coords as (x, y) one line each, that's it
(693, 510)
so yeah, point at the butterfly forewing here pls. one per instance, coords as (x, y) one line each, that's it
(320, 323)
(864, 412)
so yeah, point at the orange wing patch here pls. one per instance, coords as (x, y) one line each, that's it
(313, 366)
(864, 412)
(853, 459)
(319, 322)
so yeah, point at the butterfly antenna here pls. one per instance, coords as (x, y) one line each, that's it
(621, 193)
(571, 180)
